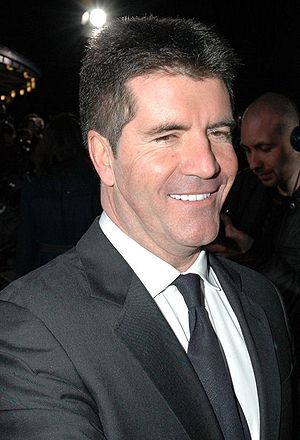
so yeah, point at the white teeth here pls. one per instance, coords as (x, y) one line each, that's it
(190, 197)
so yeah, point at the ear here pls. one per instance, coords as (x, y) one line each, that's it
(102, 156)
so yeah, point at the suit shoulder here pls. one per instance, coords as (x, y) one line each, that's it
(60, 278)
(261, 292)
(255, 285)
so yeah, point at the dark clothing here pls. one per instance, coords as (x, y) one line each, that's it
(86, 353)
(274, 223)
(56, 209)
(248, 203)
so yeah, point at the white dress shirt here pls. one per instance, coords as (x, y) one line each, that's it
(157, 279)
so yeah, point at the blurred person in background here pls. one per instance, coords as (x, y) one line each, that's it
(261, 219)
(62, 199)
(10, 185)
(29, 133)
(35, 124)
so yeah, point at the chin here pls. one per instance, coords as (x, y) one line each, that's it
(270, 184)
(202, 238)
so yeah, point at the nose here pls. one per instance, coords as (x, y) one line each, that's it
(198, 159)
(254, 161)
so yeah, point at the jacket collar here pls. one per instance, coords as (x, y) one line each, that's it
(108, 274)
(257, 335)
(140, 326)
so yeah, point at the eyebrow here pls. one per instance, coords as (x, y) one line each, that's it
(231, 123)
(162, 128)
(165, 127)
(258, 145)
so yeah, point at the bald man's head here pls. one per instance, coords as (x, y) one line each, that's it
(276, 104)
(266, 128)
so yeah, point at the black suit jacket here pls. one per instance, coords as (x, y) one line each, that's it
(85, 353)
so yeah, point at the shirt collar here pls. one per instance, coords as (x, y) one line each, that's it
(159, 274)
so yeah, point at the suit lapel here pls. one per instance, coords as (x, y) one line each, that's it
(259, 341)
(145, 332)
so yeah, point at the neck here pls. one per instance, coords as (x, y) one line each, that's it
(288, 187)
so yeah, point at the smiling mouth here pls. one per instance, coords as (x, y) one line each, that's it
(190, 197)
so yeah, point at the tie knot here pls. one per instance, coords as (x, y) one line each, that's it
(190, 288)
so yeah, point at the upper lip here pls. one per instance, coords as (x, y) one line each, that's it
(196, 191)
(263, 176)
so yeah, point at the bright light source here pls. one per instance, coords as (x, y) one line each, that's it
(97, 18)
(85, 17)
(93, 21)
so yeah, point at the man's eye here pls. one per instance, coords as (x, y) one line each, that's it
(165, 138)
(266, 148)
(221, 135)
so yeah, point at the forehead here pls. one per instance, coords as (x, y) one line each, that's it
(263, 118)
(155, 91)
(259, 127)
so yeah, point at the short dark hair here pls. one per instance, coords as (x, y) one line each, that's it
(130, 47)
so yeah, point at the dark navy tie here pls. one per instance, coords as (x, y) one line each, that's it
(208, 361)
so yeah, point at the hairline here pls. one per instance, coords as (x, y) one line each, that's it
(109, 106)
(129, 112)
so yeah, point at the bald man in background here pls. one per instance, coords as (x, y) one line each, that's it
(262, 213)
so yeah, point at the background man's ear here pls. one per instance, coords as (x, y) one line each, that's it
(102, 157)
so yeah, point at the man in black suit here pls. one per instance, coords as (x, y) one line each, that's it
(96, 344)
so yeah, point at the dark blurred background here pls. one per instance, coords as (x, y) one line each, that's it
(266, 35)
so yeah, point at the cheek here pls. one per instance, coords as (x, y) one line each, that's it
(152, 172)
(229, 168)
(229, 164)
(285, 158)
(233, 166)
(275, 162)
(125, 181)
(133, 184)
